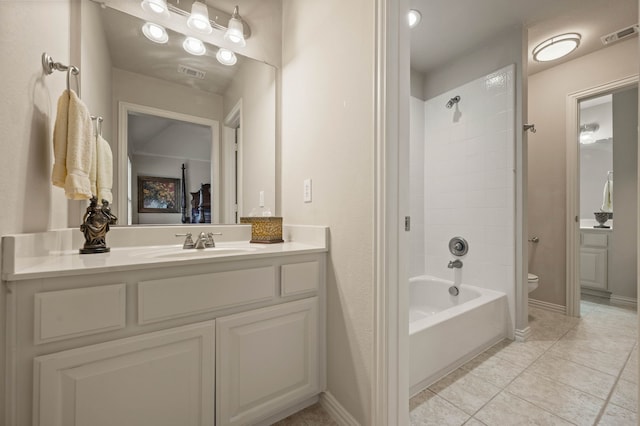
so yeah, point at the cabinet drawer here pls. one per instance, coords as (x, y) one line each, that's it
(71, 313)
(159, 300)
(298, 278)
(594, 240)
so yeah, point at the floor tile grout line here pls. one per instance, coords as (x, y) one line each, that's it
(613, 388)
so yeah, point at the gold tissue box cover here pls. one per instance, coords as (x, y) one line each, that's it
(265, 230)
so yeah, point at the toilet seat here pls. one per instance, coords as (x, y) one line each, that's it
(532, 277)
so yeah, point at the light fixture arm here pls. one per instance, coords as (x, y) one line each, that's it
(218, 19)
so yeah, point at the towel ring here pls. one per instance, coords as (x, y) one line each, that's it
(49, 65)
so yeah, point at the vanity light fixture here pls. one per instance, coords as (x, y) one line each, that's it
(199, 18)
(155, 33)
(157, 7)
(235, 29)
(194, 46)
(556, 47)
(414, 18)
(226, 57)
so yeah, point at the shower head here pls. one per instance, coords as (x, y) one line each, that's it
(453, 101)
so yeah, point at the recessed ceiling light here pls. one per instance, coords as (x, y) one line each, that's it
(414, 18)
(194, 46)
(556, 47)
(226, 57)
(155, 33)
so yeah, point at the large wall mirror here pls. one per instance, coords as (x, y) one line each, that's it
(164, 108)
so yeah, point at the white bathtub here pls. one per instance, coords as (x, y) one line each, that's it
(446, 331)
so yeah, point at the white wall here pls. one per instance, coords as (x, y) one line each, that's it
(469, 157)
(27, 115)
(417, 264)
(625, 177)
(328, 136)
(255, 85)
(547, 158)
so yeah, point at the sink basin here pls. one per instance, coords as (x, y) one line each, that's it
(177, 252)
(208, 252)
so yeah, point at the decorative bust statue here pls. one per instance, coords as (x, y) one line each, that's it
(95, 225)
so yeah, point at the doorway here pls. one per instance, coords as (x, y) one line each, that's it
(602, 258)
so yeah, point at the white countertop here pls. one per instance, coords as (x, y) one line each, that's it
(23, 259)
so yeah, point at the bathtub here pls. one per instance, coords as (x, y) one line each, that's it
(446, 331)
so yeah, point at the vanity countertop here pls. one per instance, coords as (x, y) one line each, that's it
(21, 263)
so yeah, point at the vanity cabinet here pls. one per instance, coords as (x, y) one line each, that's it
(237, 342)
(594, 259)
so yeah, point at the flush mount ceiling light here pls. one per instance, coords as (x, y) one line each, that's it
(155, 33)
(235, 29)
(587, 132)
(556, 47)
(157, 7)
(199, 18)
(414, 18)
(226, 57)
(194, 46)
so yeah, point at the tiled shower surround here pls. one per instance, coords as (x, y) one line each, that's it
(466, 157)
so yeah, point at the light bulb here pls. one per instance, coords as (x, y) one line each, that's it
(194, 46)
(155, 33)
(226, 57)
(199, 18)
(157, 7)
(235, 30)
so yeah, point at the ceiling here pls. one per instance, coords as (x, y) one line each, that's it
(131, 51)
(450, 28)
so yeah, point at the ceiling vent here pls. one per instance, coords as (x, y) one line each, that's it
(620, 35)
(191, 72)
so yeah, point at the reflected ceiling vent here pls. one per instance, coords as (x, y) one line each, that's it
(191, 72)
(622, 34)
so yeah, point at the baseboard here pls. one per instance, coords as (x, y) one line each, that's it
(624, 301)
(339, 414)
(289, 411)
(522, 334)
(595, 292)
(559, 309)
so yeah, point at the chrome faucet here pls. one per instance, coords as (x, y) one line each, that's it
(455, 264)
(203, 241)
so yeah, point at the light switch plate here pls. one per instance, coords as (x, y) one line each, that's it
(306, 194)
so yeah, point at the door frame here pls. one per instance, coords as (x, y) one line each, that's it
(573, 185)
(390, 375)
(124, 108)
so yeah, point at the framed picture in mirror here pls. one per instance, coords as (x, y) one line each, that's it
(158, 195)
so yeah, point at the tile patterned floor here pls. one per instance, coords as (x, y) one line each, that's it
(572, 371)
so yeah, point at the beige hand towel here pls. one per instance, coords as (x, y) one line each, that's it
(59, 173)
(104, 175)
(80, 150)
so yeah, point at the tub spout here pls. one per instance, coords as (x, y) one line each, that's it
(454, 291)
(455, 264)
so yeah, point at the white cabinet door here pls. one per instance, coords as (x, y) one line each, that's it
(266, 360)
(593, 267)
(164, 378)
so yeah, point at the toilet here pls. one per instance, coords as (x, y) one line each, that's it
(532, 281)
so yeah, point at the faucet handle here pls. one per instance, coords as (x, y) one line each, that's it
(209, 241)
(188, 241)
